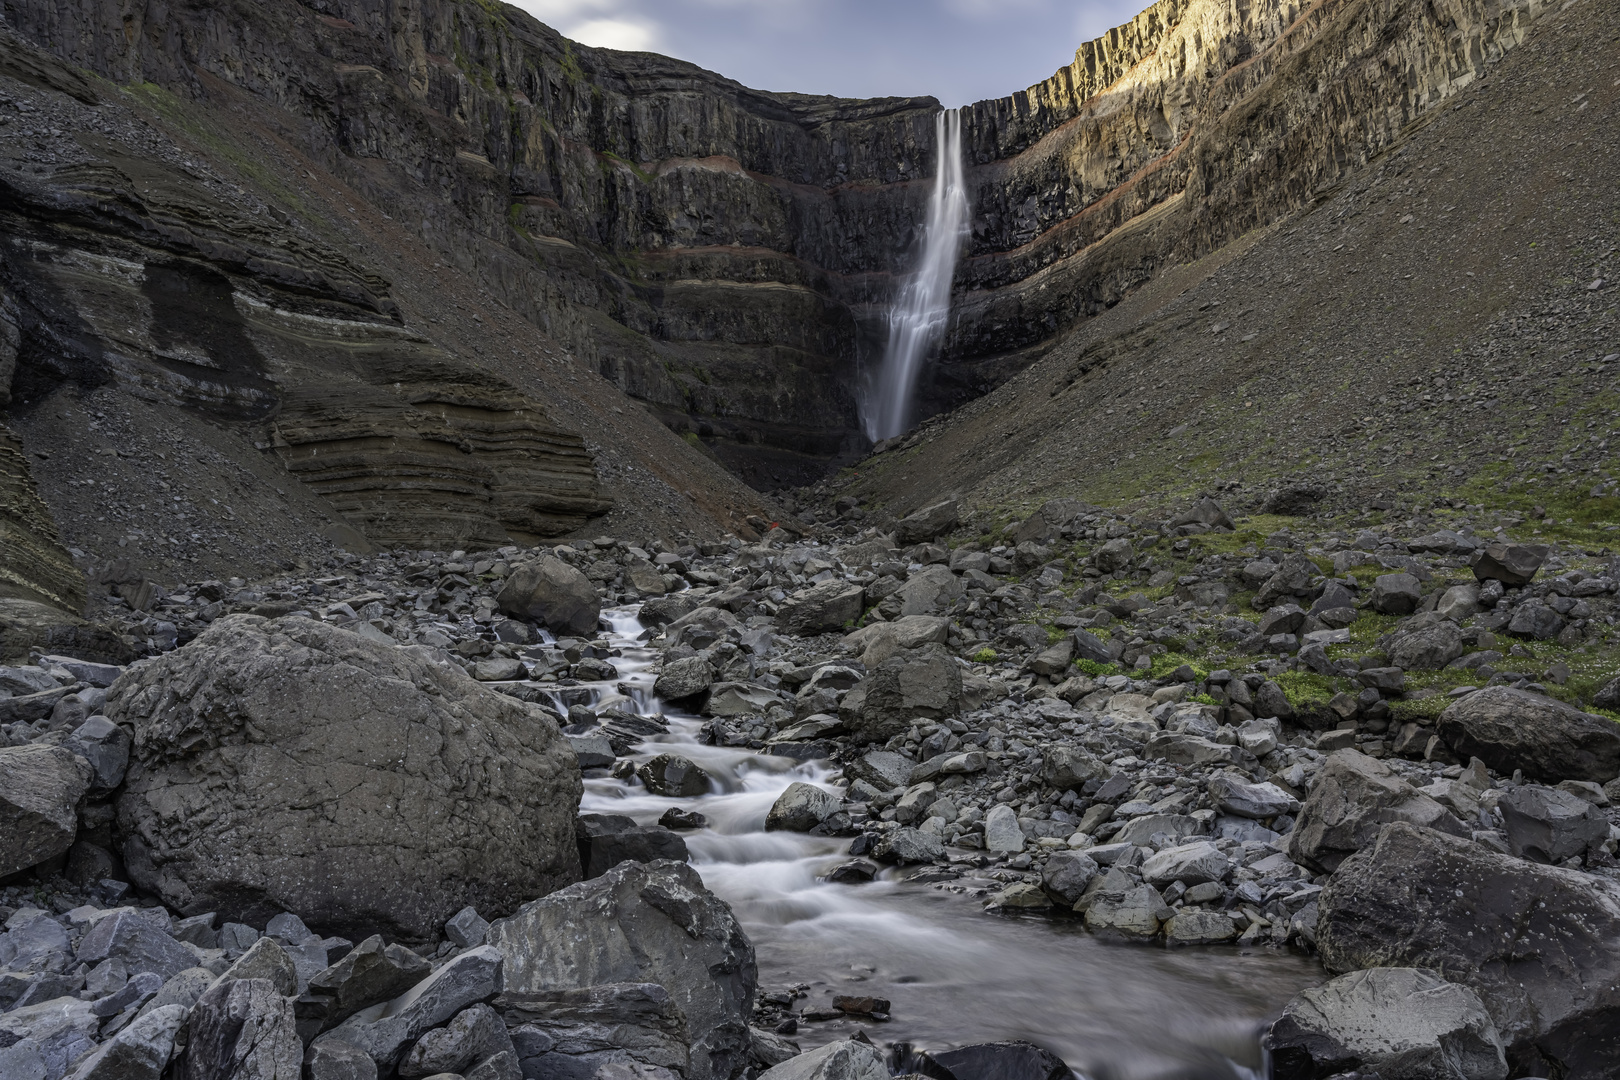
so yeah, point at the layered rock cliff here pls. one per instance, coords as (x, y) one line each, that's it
(725, 255)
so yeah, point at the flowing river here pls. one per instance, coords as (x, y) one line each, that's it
(953, 974)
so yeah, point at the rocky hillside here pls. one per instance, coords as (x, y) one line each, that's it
(725, 256)
(1436, 334)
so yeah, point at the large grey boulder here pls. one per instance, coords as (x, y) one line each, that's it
(879, 641)
(1402, 1023)
(924, 683)
(1511, 729)
(1190, 864)
(1355, 796)
(1548, 825)
(821, 608)
(684, 680)
(1067, 767)
(640, 923)
(286, 765)
(925, 524)
(1539, 944)
(1395, 594)
(40, 789)
(1427, 648)
(1066, 875)
(105, 746)
(884, 769)
(1511, 564)
(244, 1030)
(386, 1030)
(848, 1059)
(140, 1051)
(801, 808)
(550, 592)
(132, 938)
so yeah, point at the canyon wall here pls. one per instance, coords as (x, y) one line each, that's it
(725, 255)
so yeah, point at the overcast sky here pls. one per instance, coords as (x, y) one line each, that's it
(960, 51)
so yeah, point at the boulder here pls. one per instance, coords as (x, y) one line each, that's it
(1178, 749)
(1190, 864)
(1291, 580)
(660, 610)
(1001, 829)
(820, 609)
(471, 1038)
(1088, 646)
(1001, 1061)
(133, 938)
(1539, 944)
(906, 846)
(878, 642)
(641, 923)
(923, 683)
(684, 680)
(1193, 926)
(1537, 621)
(367, 975)
(1402, 1023)
(245, 1030)
(1113, 555)
(287, 765)
(333, 1060)
(1205, 511)
(1547, 825)
(550, 592)
(1134, 912)
(926, 524)
(1395, 594)
(1355, 796)
(606, 840)
(673, 776)
(1066, 875)
(105, 746)
(1067, 767)
(40, 789)
(1426, 649)
(385, 1031)
(1511, 564)
(848, 1059)
(1258, 801)
(1516, 729)
(883, 769)
(140, 1051)
(926, 591)
(801, 808)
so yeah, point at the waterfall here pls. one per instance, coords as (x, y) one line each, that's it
(917, 319)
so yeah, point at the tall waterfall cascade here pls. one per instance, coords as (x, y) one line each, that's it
(917, 319)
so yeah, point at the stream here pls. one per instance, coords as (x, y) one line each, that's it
(953, 973)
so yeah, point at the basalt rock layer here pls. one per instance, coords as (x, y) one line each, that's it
(725, 255)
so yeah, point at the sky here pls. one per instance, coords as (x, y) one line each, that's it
(959, 51)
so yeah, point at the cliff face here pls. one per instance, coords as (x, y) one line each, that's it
(725, 255)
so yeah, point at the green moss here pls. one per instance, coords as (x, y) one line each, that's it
(1420, 711)
(1306, 687)
(985, 656)
(1203, 699)
(573, 74)
(1165, 664)
(1054, 635)
(1096, 670)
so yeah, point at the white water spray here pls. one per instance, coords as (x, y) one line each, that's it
(917, 320)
